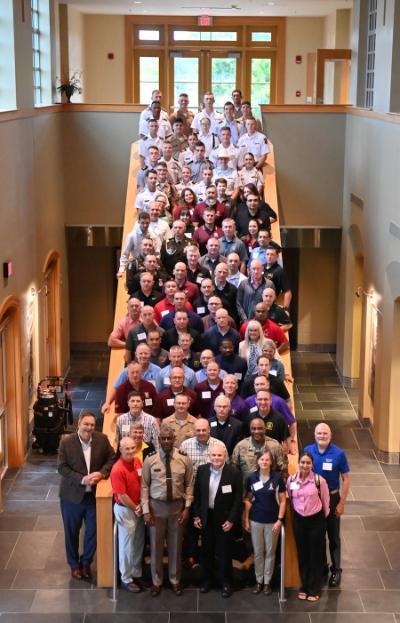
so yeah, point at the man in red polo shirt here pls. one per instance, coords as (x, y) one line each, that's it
(271, 329)
(208, 230)
(166, 304)
(119, 334)
(189, 288)
(208, 390)
(125, 480)
(164, 406)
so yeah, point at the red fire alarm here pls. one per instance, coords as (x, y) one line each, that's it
(298, 93)
(299, 58)
(110, 56)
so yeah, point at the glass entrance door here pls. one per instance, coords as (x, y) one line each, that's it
(3, 403)
(223, 78)
(186, 72)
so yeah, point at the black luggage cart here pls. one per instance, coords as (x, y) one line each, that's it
(52, 413)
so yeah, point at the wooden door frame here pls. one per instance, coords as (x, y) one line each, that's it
(52, 264)
(10, 309)
(323, 56)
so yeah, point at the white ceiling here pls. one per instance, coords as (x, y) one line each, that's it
(211, 7)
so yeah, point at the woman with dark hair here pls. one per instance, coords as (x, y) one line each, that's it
(186, 201)
(251, 239)
(309, 495)
(264, 511)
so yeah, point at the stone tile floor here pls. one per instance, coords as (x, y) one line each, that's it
(35, 585)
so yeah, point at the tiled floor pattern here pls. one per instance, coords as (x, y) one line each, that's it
(35, 586)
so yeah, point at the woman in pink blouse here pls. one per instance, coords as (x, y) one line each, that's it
(309, 495)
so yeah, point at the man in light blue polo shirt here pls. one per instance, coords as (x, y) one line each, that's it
(330, 461)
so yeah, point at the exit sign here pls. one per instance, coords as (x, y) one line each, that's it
(204, 20)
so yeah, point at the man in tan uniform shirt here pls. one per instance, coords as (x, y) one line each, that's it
(166, 496)
(181, 421)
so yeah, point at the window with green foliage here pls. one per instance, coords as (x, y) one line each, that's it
(149, 77)
(186, 79)
(223, 79)
(260, 81)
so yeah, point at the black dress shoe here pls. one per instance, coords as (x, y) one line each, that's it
(334, 580)
(86, 572)
(142, 584)
(177, 589)
(258, 588)
(155, 591)
(226, 591)
(267, 589)
(205, 587)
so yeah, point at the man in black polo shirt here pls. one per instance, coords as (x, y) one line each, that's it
(275, 425)
(276, 386)
(147, 294)
(278, 276)
(276, 313)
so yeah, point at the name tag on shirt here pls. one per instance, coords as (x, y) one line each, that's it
(142, 336)
(170, 402)
(167, 381)
(188, 234)
(199, 279)
(213, 424)
(327, 467)
(273, 373)
(258, 485)
(253, 409)
(148, 402)
(206, 395)
(201, 310)
(126, 428)
(139, 471)
(294, 486)
(226, 488)
(164, 312)
(238, 375)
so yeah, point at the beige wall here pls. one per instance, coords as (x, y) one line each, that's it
(303, 35)
(372, 175)
(309, 158)
(76, 52)
(318, 289)
(105, 78)
(32, 225)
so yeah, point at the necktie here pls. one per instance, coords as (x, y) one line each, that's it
(168, 477)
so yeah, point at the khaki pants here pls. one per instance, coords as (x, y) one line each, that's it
(264, 546)
(166, 515)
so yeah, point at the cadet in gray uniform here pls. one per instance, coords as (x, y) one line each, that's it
(166, 496)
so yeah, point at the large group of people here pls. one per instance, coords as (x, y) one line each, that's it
(204, 420)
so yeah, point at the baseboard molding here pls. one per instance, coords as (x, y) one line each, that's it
(317, 348)
(348, 381)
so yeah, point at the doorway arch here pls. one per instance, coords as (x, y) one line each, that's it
(52, 314)
(12, 382)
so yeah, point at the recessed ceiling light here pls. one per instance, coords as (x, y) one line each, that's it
(137, 2)
(271, 3)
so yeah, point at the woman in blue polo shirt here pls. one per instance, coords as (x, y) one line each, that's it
(264, 511)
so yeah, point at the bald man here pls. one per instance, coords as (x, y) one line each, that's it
(330, 461)
(223, 425)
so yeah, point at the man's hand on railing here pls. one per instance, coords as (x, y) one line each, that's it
(105, 408)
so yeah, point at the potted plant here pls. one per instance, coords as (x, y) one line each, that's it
(71, 85)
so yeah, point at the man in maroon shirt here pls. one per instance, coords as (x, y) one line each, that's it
(271, 329)
(208, 230)
(119, 394)
(208, 390)
(211, 201)
(164, 405)
(180, 277)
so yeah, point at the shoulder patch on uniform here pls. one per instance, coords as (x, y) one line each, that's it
(265, 140)
(182, 452)
(151, 454)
